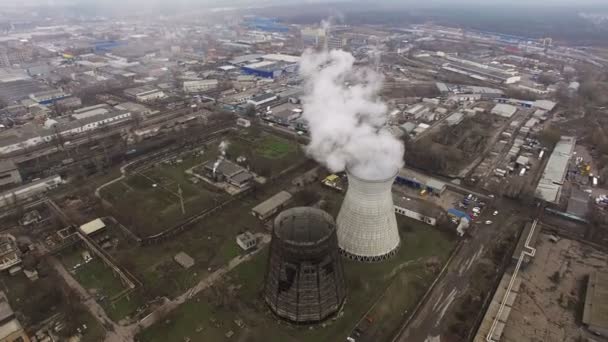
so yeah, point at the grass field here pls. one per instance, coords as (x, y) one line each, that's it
(268, 154)
(158, 207)
(273, 147)
(395, 286)
(99, 280)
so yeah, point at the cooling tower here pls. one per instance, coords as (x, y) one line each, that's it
(304, 278)
(367, 226)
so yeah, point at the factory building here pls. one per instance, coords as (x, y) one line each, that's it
(367, 226)
(229, 172)
(304, 279)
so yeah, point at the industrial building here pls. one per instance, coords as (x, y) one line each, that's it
(145, 93)
(367, 226)
(420, 181)
(304, 280)
(9, 174)
(595, 314)
(261, 100)
(10, 255)
(272, 66)
(197, 86)
(550, 185)
(27, 191)
(271, 206)
(504, 110)
(227, 171)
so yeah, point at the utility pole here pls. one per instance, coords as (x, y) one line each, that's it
(181, 198)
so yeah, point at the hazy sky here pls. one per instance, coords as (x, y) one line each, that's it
(110, 3)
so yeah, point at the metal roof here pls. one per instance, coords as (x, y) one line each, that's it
(595, 313)
(549, 187)
(272, 203)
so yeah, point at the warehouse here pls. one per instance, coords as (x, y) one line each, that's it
(550, 185)
(595, 315)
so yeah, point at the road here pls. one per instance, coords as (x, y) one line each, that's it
(429, 323)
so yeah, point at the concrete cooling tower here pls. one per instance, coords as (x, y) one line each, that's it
(367, 226)
(304, 278)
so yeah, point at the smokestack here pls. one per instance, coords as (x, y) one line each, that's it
(367, 226)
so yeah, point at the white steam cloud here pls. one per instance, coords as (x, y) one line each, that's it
(346, 117)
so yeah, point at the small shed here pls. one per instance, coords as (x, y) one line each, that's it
(184, 260)
(246, 241)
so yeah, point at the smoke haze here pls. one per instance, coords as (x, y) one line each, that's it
(346, 117)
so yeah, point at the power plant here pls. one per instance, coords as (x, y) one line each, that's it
(367, 226)
(304, 278)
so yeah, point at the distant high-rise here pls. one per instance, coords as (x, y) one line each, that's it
(304, 279)
(367, 226)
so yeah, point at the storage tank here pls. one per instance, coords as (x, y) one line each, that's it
(304, 278)
(367, 226)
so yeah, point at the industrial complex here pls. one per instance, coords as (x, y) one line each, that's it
(278, 174)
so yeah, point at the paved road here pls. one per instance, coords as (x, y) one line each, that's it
(429, 323)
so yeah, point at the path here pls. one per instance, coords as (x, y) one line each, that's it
(126, 333)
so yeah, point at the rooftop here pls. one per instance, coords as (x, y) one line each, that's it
(271, 203)
(596, 301)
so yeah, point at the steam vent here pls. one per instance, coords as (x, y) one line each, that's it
(304, 279)
(367, 226)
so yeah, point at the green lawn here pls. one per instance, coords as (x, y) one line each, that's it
(158, 207)
(274, 147)
(99, 279)
(404, 278)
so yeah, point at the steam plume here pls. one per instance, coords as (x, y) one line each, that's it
(346, 116)
(222, 148)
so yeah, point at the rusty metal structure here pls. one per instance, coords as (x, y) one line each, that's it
(304, 277)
